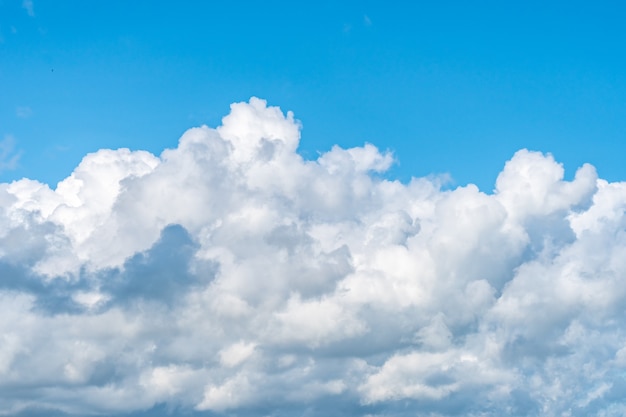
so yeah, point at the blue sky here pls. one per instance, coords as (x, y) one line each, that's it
(174, 241)
(449, 87)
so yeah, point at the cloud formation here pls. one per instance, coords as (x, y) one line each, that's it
(229, 276)
(9, 156)
(23, 112)
(29, 7)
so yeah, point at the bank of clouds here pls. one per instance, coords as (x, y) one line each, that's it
(230, 275)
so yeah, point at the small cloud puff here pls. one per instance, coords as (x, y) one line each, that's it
(231, 276)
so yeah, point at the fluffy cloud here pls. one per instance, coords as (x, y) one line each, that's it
(229, 276)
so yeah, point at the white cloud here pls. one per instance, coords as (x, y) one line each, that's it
(231, 275)
(232, 394)
(235, 354)
(315, 322)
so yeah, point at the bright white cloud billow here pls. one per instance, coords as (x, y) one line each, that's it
(230, 276)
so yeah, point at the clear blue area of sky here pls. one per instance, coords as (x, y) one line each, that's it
(452, 87)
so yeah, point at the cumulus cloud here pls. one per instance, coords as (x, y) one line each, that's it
(230, 276)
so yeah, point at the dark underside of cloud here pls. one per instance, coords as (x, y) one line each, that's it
(231, 277)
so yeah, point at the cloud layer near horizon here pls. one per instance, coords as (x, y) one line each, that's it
(231, 276)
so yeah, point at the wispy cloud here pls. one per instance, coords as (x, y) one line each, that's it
(23, 112)
(9, 156)
(29, 7)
